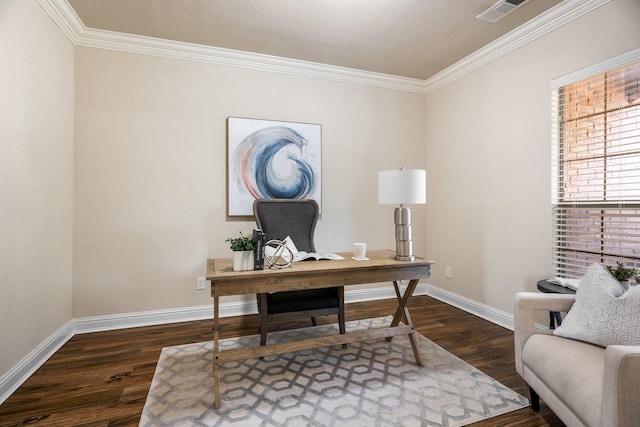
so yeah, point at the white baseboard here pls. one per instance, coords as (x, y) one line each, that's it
(17, 375)
(10, 381)
(499, 317)
(112, 322)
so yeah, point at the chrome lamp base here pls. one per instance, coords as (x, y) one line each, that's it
(404, 244)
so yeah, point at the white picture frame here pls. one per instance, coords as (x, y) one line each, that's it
(269, 159)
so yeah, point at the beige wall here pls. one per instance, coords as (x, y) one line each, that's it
(488, 158)
(145, 205)
(150, 157)
(36, 179)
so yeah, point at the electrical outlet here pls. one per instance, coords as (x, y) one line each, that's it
(449, 273)
(200, 282)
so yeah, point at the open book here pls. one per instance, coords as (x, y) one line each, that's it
(299, 255)
(302, 255)
(567, 283)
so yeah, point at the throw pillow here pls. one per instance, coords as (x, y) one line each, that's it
(603, 313)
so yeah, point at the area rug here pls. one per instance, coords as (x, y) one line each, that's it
(373, 383)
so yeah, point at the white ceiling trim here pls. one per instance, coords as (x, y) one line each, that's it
(599, 68)
(65, 17)
(546, 22)
(234, 58)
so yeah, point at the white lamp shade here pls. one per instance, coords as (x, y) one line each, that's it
(402, 186)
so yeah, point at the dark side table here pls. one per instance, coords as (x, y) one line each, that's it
(555, 318)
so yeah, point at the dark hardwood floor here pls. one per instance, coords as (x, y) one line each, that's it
(102, 379)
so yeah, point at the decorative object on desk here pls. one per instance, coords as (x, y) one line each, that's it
(259, 240)
(282, 253)
(272, 160)
(375, 382)
(277, 254)
(243, 260)
(305, 256)
(360, 251)
(242, 243)
(399, 187)
(622, 274)
(243, 255)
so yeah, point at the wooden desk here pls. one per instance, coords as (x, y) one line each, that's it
(381, 267)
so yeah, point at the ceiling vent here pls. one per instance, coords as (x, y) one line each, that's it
(500, 9)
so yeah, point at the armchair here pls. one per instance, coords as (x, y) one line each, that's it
(279, 218)
(584, 384)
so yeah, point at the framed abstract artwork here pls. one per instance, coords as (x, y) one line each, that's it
(272, 160)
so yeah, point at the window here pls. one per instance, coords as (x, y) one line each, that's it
(596, 177)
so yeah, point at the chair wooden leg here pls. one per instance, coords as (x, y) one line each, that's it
(341, 317)
(534, 399)
(263, 319)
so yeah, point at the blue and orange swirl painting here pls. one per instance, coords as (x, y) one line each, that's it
(274, 162)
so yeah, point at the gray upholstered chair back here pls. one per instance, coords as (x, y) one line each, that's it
(279, 218)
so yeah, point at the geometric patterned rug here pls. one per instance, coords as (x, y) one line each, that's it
(368, 383)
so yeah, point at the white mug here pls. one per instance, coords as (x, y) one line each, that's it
(359, 250)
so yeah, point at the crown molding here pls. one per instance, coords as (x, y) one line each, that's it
(601, 67)
(65, 18)
(233, 58)
(71, 25)
(546, 22)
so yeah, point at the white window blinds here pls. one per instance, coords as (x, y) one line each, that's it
(596, 177)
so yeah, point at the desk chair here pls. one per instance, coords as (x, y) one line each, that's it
(279, 218)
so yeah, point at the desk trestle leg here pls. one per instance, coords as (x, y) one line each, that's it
(402, 313)
(216, 352)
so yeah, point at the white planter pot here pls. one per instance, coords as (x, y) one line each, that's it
(242, 260)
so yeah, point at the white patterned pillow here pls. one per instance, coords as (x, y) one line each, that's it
(603, 313)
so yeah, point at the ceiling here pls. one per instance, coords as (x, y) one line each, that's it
(406, 38)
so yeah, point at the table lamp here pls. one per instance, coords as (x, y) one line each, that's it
(399, 187)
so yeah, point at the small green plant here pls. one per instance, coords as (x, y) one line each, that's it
(242, 243)
(622, 273)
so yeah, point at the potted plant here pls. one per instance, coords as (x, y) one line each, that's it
(622, 274)
(242, 248)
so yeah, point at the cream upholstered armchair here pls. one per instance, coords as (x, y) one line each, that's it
(584, 384)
